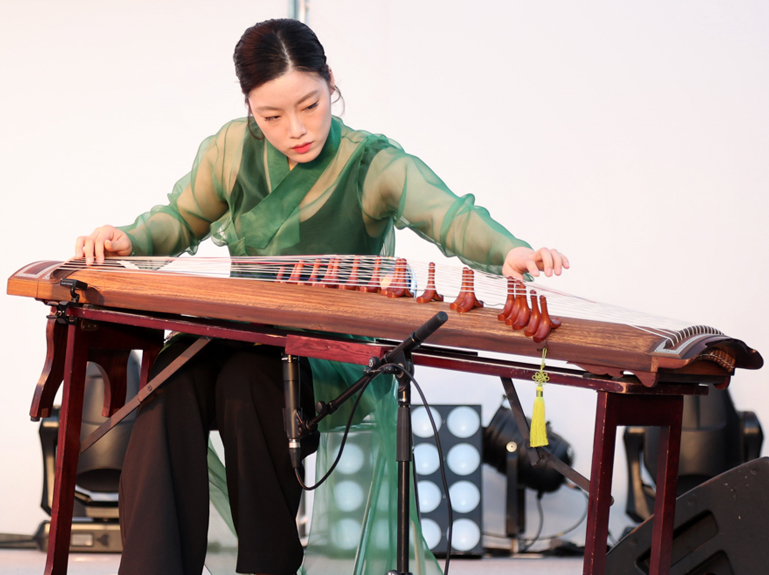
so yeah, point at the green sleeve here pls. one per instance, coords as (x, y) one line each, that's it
(402, 187)
(197, 200)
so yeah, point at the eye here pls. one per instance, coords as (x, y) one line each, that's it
(271, 118)
(312, 106)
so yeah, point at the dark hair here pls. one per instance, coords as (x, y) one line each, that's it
(272, 48)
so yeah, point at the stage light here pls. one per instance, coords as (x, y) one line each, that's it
(430, 496)
(463, 422)
(463, 459)
(426, 458)
(431, 532)
(501, 449)
(349, 487)
(381, 534)
(96, 523)
(461, 440)
(466, 536)
(420, 422)
(345, 534)
(349, 495)
(465, 496)
(352, 459)
(715, 437)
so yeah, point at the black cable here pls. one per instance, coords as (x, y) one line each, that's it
(348, 426)
(539, 528)
(577, 524)
(539, 538)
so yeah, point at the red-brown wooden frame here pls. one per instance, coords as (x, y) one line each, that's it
(95, 334)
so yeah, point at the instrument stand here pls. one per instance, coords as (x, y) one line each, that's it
(106, 337)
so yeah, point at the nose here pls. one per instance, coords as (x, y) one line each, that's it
(296, 128)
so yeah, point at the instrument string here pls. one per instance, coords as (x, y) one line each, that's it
(489, 288)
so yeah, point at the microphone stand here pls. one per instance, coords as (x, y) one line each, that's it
(403, 371)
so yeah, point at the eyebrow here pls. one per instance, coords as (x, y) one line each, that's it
(307, 97)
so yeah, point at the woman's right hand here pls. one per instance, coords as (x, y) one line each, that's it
(103, 242)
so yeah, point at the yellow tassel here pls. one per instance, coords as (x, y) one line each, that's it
(538, 432)
(538, 426)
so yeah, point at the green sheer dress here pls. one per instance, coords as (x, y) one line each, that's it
(349, 200)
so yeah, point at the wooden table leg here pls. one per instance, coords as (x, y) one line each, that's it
(667, 482)
(67, 450)
(665, 411)
(53, 371)
(604, 442)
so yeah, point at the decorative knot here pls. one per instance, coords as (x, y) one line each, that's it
(541, 377)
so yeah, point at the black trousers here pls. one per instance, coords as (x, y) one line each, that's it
(238, 389)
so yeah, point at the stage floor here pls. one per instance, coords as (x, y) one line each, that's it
(32, 562)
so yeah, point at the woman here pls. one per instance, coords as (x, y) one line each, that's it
(288, 179)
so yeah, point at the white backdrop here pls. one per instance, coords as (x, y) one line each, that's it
(632, 136)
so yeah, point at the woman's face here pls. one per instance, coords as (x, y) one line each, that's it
(294, 114)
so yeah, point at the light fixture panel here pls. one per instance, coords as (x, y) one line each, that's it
(461, 435)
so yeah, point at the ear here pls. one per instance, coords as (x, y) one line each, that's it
(332, 82)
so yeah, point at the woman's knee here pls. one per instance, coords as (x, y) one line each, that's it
(190, 387)
(257, 368)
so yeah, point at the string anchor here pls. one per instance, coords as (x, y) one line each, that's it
(430, 293)
(466, 299)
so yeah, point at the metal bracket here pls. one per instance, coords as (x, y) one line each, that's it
(73, 285)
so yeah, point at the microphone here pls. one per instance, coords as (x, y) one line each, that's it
(292, 409)
(416, 338)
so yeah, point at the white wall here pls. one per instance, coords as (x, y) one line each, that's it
(632, 136)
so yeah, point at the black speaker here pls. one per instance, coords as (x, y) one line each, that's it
(720, 528)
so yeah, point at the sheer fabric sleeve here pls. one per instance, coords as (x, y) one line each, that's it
(400, 186)
(197, 200)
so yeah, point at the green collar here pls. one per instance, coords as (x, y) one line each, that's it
(277, 163)
(276, 217)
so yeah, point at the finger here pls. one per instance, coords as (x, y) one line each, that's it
(516, 275)
(532, 266)
(79, 247)
(99, 250)
(557, 262)
(547, 261)
(88, 250)
(118, 244)
(511, 272)
(565, 261)
(102, 242)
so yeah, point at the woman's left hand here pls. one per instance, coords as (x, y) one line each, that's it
(521, 260)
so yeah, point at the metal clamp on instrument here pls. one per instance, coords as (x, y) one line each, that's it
(60, 308)
(73, 285)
